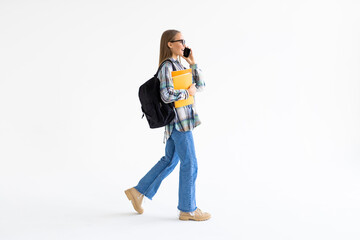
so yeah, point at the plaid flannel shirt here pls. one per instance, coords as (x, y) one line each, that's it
(186, 117)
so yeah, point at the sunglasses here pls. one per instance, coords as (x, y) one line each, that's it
(180, 40)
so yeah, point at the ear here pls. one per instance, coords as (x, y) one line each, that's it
(169, 44)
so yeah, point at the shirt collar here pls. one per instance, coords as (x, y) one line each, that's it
(173, 60)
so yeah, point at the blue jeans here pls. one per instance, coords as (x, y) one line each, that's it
(180, 146)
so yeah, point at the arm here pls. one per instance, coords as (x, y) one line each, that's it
(198, 77)
(167, 92)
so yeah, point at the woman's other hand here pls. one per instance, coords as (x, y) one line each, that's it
(192, 89)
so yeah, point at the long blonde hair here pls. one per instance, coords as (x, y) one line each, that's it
(165, 51)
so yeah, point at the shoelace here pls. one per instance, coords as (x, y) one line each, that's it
(193, 213)
(196, 211)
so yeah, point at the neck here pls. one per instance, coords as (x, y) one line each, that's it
(174, 57)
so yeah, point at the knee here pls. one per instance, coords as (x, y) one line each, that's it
(165, 159)
(191, 165)
(174, 160)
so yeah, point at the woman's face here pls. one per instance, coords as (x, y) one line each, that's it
(177, 47)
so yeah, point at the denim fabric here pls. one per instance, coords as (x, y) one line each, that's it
(180, 146)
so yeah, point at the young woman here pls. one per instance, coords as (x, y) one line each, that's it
(178, 134)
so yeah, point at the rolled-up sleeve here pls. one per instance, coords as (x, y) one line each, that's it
(198, 78)
(167, 92)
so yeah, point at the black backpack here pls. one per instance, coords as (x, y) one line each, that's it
(158, 113)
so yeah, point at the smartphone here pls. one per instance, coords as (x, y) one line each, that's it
(186, 52)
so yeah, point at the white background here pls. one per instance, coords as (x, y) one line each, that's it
(278, 148)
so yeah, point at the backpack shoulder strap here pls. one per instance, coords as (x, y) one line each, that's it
(167, 60)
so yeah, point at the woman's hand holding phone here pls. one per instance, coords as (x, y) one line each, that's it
(188, 55)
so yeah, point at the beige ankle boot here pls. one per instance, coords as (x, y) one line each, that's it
(196, 215)
(136, 199)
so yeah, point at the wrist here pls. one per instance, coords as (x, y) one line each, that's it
(190, 62)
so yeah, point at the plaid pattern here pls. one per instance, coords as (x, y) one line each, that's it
(186, 117)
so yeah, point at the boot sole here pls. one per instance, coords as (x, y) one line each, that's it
(190, 218)
(131, 198)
